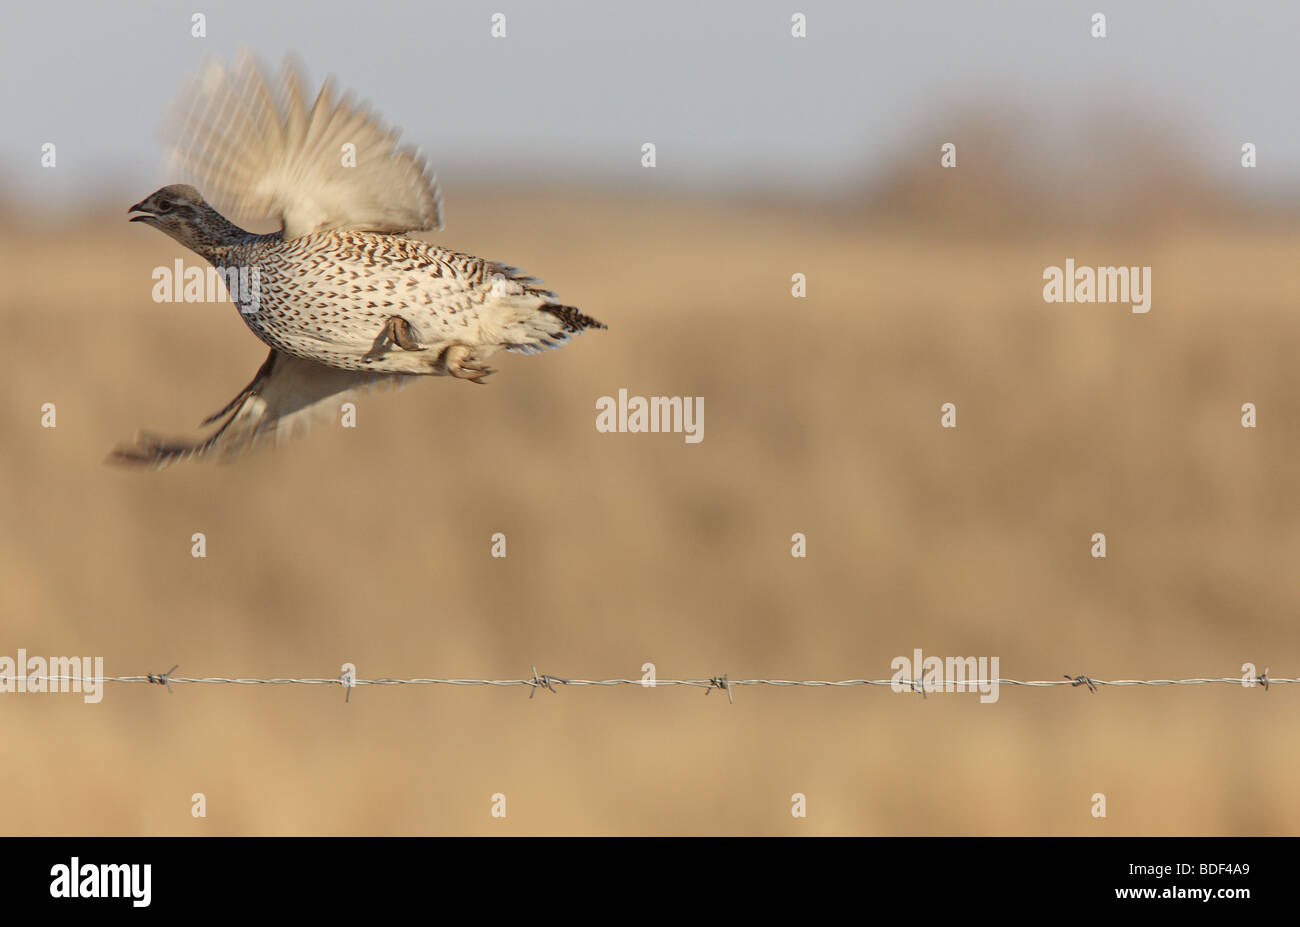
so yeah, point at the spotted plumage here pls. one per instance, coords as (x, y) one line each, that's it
(341, 296)
(328, 296)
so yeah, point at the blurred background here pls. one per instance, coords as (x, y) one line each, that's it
(776, 156)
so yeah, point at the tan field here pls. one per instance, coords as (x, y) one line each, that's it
(372, 545)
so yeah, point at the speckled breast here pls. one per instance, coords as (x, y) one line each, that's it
(328, 297)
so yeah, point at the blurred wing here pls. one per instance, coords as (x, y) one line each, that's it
(281, 402)
(255, 155)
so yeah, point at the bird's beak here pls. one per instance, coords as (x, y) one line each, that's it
(139, 207)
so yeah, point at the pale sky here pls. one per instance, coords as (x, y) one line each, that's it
(731, 100)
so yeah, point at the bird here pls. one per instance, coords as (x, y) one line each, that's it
(342, 296)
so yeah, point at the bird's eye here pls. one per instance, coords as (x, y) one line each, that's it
(164, 205)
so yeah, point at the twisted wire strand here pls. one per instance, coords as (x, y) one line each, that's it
(549, 682)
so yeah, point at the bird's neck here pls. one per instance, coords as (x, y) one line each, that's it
(221, 245)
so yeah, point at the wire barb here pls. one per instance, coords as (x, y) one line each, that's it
(163, 679)
(720, 682)
(545, 681)
(1077, 681)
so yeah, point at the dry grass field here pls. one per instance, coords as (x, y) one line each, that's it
(372, 545)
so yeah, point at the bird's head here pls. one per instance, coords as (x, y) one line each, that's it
(179, 210)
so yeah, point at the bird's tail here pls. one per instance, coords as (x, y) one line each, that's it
(574, 321)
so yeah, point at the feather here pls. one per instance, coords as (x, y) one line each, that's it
(287, 394)
(256, 155)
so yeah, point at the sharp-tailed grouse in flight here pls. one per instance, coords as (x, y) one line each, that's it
(341, 296)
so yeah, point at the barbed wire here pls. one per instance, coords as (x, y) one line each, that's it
(548, 681)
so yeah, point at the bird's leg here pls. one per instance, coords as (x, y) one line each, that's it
(397, 331)
(458, 364)
(400, 331)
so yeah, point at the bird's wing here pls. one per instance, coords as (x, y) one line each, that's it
(281, 401)
(256, 154)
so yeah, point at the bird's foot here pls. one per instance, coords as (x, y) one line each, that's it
(397, 331)
(458, 364)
